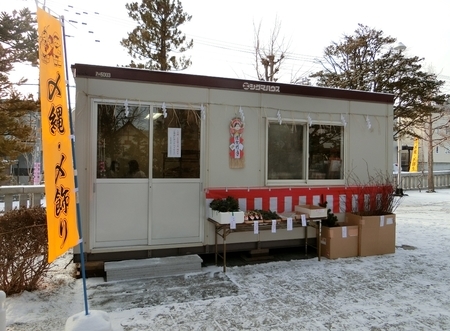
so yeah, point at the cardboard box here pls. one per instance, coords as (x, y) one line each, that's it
(225, 218)
(311, 211)
(339, 241)
(376, 233)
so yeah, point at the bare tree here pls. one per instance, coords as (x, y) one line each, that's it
(268, 59)
(434, 132)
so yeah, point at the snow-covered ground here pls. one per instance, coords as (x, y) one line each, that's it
(408, 290)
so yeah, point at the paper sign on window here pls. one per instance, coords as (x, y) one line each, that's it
(174, 142)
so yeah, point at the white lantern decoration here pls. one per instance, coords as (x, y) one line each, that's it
(241, 113)
(369, 125)
(164, 109)
(127, 110)
(343, 120)
(202, 112)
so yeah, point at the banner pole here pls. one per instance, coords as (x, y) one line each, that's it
(72, 135)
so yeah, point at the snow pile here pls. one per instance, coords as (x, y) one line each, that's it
(95, 321)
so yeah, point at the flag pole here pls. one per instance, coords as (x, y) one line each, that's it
(72, 137)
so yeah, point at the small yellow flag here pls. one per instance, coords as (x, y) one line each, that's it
(56, 139)
(413, 167)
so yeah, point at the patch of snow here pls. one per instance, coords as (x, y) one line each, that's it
(95, 320)
(407, 290)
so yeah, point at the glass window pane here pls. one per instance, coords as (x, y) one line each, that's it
(326, 152)
(285, 151)
(176, 143)
(122, 141)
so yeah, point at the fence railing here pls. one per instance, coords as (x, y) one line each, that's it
(31, 195)
(419, 180)
(20, 196)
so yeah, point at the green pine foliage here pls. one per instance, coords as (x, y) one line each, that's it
(156, 42)
(369, 61)
(18, 44)
(229, 204)
(331, 220)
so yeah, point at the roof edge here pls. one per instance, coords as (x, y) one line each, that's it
(181, 79)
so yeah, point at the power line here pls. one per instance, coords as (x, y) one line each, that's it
(81, 20)
(86, 14)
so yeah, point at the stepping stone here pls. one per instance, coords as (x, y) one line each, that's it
(153, 267)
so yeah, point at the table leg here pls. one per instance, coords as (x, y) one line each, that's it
(224, 252)
(215, 243)
(306, 240)
(319, 245)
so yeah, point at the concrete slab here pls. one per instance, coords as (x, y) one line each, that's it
(153, 267)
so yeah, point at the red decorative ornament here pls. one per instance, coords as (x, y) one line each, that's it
(236, 143)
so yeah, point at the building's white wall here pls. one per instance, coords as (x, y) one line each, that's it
(83, 147)
(367, 151)
(224, 105)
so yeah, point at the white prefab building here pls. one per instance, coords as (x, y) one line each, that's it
(154, 148)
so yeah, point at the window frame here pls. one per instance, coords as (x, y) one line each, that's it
(342, 155)
(285, 182)
(96, 102)
(305, 161)
(177, 107)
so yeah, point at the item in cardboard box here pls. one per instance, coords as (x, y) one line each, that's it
(311, 211)
(225, 218)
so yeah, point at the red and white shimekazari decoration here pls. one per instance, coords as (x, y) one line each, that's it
(237, 143)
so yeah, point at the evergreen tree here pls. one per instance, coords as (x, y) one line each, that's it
(157, 37)
(369, 61)
(18, 44)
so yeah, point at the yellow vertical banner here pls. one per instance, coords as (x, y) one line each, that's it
(415, 157)
(56, 139)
